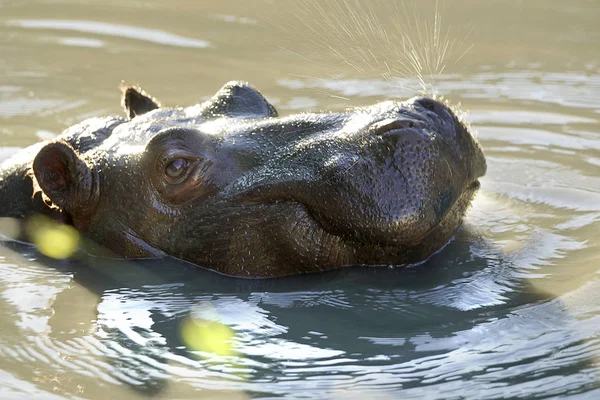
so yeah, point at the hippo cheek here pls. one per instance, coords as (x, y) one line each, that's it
(384, 198)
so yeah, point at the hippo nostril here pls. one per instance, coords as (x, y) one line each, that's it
(391, 124)
(426, 103)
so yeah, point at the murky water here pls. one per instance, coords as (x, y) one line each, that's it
(511, 308)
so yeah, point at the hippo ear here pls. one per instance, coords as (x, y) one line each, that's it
(136, 101)
(63, 177)
(238, 100)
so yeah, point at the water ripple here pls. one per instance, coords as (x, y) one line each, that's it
(574, 89)
(103, 28)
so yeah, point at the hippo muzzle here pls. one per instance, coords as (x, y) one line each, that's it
(401, 174)
(229, 185)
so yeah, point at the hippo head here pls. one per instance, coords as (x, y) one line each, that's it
(229, 185)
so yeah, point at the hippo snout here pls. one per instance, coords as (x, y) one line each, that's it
(414, 168)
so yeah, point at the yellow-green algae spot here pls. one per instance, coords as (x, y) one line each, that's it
(202, 332)
(207, 336)
(51, 238)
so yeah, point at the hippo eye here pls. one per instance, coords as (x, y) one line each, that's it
(177, 168)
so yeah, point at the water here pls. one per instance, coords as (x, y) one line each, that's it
(509, 309)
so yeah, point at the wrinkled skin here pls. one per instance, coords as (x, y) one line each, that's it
(229, 185)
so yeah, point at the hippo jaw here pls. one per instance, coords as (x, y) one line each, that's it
(331, 248)
(229, 186)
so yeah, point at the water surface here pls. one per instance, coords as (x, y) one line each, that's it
(509, 309)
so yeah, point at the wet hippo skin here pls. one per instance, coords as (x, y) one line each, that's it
(229, 185)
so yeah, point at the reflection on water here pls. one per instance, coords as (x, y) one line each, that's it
(468, 316)
(508, 309)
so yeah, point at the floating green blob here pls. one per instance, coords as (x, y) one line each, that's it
(51, 238)
(207, 336)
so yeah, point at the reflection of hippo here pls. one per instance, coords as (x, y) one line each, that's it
(228, 185)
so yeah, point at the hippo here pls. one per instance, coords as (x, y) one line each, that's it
(231, 186)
